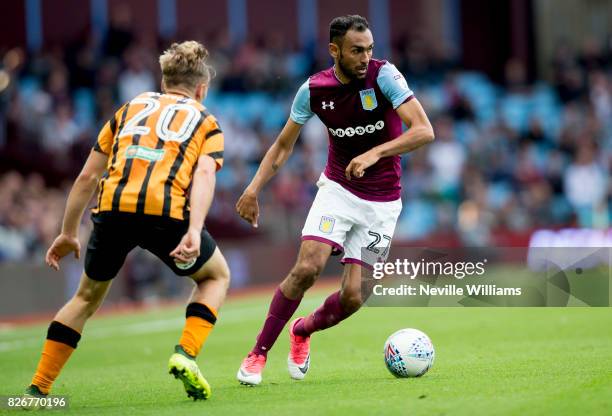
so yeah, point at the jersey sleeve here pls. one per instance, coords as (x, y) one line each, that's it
(214, 141)
(300, 109)
(393, 85)
(104, 143)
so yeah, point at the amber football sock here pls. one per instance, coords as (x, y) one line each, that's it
(200, 321)
(60, 343)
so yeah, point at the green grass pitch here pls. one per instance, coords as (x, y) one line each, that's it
(498, 361)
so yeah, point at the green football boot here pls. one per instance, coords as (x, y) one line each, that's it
(30, 398)
(184, 367)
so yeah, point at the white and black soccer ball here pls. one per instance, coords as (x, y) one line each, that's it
(409, 353)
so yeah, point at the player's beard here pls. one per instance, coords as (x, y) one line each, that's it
(352, 74)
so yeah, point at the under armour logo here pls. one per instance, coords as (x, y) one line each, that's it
(329, 105)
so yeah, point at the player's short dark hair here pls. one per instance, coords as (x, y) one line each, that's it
(342, 24)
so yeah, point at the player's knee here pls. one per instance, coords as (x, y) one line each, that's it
(216, 269)
(88, 301)
(223, 274)
(88, 295)
(305, 272)
(351, 299)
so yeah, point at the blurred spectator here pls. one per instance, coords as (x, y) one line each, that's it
(59, 130)
(586, 184)
(136, 78)
(447, 157)
(119, 36)
(601, 96)
(29, 216)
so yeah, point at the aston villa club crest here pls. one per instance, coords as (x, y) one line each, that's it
(368, 99)
(327, 224)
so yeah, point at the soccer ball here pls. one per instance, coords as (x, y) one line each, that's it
(409, 353)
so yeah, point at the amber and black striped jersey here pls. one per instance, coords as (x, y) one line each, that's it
(153, 144)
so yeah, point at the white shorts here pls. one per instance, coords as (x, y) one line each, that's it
(359, 228)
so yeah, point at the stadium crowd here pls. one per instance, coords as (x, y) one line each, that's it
(509, 156)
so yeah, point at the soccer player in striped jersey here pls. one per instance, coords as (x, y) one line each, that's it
(362, 101)
(154, 163)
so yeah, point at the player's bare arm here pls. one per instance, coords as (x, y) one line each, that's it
(247, 206)
(81, 193)
(201, 197)
(419, 133)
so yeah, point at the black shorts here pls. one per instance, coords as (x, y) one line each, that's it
(115, 234)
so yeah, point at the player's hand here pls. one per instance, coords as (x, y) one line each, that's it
(61, 247)
(356, 168)
(248, 207)
(189, 247)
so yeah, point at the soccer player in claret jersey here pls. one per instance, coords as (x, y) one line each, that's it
(362, 101)
(155, 164)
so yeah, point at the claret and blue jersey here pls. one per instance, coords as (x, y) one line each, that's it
(359, 116)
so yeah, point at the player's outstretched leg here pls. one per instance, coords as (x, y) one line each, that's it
(337, 307)
(212, 281)
(311, 259)
(64, 334)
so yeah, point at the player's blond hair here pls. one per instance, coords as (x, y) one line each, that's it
(184, 64)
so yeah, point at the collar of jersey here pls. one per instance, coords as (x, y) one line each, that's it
(351, 83)
(337, 77)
